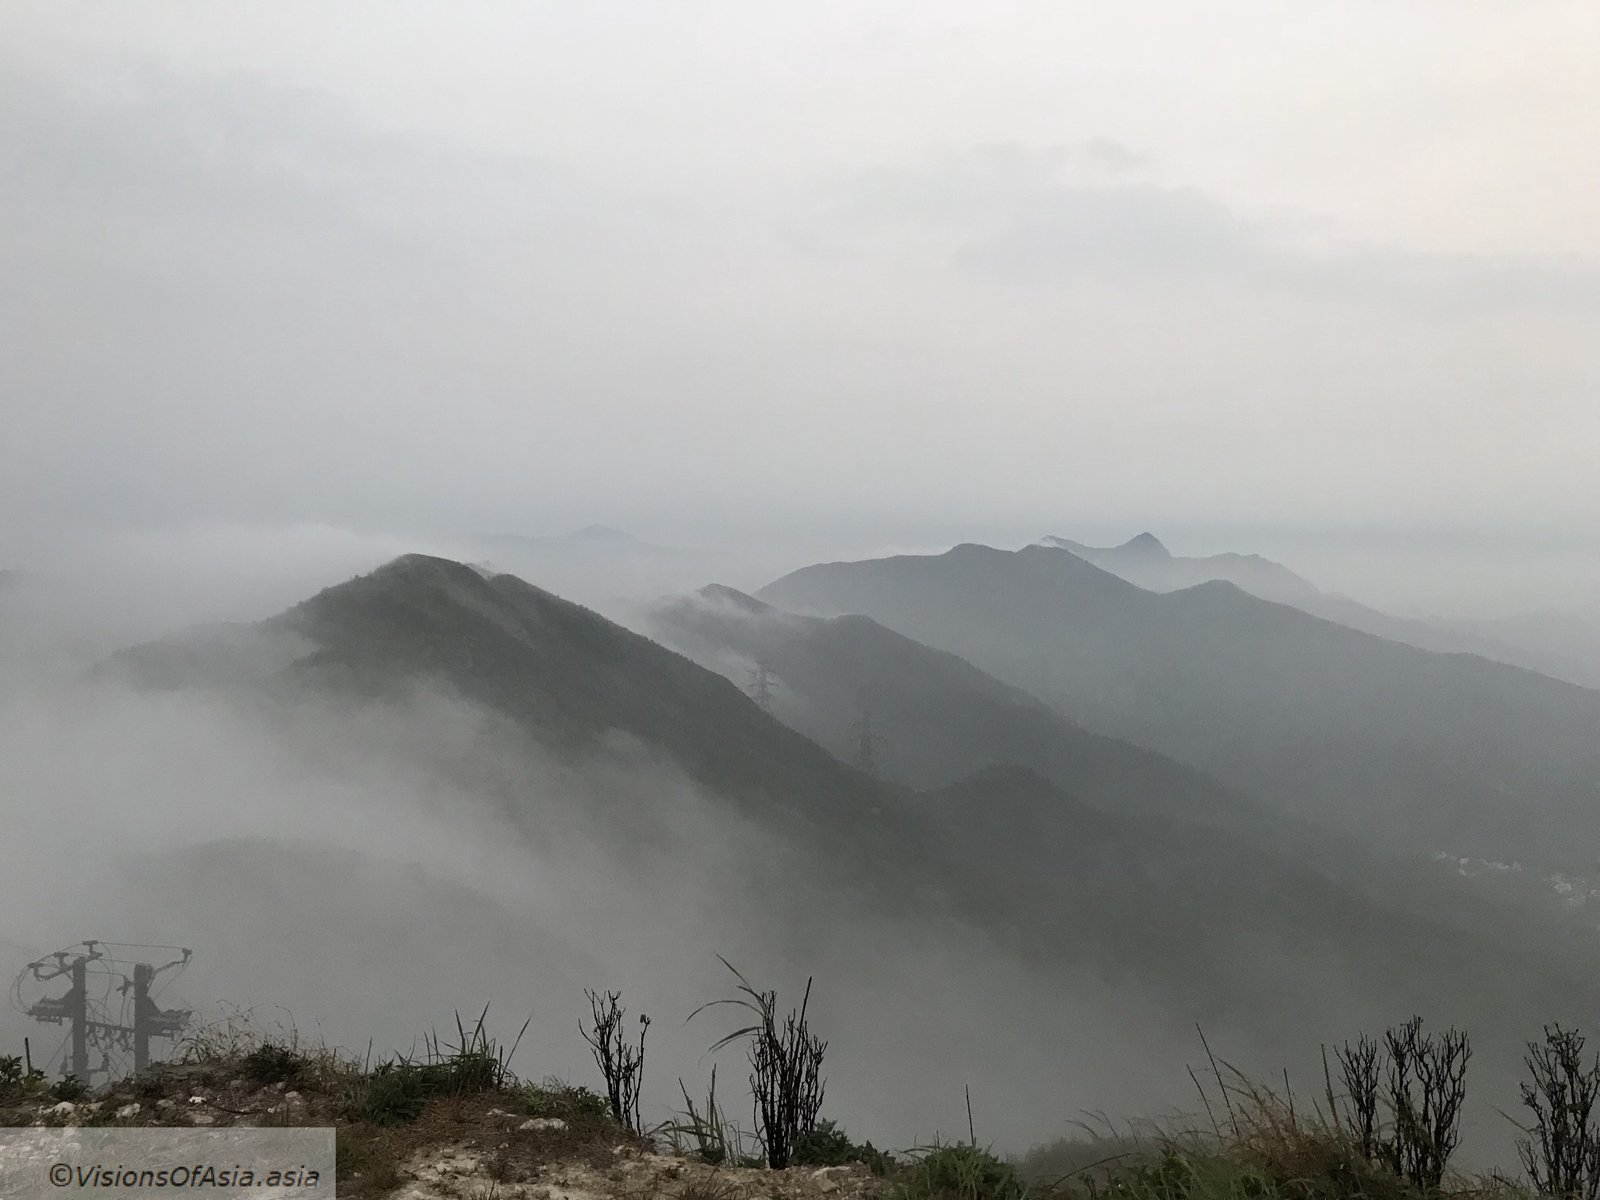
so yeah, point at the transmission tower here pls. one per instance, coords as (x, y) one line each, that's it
(760, 686)
(865, 743)
(95, 972)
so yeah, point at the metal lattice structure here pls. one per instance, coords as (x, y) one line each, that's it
(109, 1005)
(760, 686)
(865, 743)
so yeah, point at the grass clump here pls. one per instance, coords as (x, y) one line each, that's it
(17, 1082)
(1272, 1148)
(568, 1101)
(829, 1146)
(707, 1133)
(238, 1047)
(272, 1062)
(70, 1088)
(960, 1171)
(1180, 1176)
(1261, 1145)
(1094, 1153)
(397, 1091)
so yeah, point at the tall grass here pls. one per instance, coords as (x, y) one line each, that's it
(707, 1132)
(959, 1171)
(398, 1090)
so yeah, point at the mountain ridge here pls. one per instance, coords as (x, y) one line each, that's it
(955, 718)
(1374, 736)
(1271, 580)
(1035, 872)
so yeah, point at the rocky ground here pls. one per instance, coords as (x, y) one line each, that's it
(510, 1142)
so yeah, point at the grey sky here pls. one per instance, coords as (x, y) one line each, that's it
(1054, 267)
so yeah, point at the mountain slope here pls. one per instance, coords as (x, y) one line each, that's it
(937, 721)
(1226, 911)
(935, 718)
(556, 669)
(1361, 733)
(848, 869)
(625, 721)
(1148, 564)
(1562, 643)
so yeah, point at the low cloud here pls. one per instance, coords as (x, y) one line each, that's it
(1017, 215)
(363, 871)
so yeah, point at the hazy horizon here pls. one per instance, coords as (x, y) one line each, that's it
(850, 279)
(795, 299)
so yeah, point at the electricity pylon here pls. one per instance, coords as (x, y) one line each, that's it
(89, 1017)
(760, 686)
(865, 744)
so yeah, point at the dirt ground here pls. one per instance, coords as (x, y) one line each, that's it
(481, 1146)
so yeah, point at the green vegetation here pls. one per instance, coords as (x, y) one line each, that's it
(565, 1101)
(398, 1090)
(1384, 1127)
(1399, 1109)
(272, 1062)
(960, 1171)
(69, 1088)
(829, 1146)
(708, 1134)
(17, 1082)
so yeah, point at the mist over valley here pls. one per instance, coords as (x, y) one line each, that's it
(893, 602)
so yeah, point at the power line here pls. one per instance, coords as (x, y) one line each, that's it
(89, 1019)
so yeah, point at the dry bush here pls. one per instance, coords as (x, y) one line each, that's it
(1562, 1151)
(1360, 1072)
(621, 1063)
(240, 1045)
(785, 1068)
(1426, 1088)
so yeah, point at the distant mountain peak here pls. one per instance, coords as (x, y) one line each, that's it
(1146, 544)
(970, 550)
(415, 566)
(1145, 562)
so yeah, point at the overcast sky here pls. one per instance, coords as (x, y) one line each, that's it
(1053, 267)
